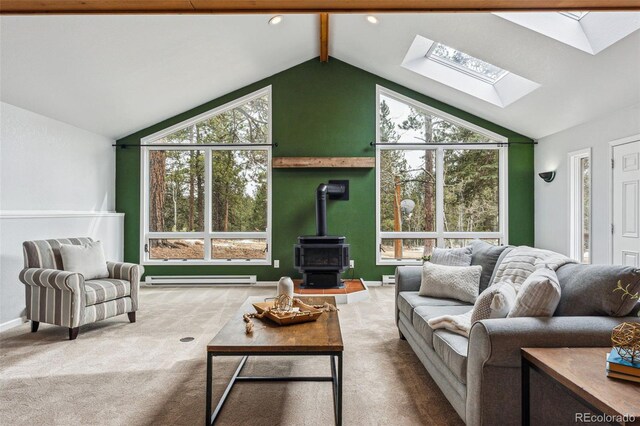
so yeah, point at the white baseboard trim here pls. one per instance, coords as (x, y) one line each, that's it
(256, 284)
(13, 323)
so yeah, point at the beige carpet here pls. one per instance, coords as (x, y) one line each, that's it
(117, 373)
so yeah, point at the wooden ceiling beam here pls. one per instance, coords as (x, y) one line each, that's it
(25, 7)
(324, 37)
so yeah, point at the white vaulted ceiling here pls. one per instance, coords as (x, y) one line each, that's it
(114, 75)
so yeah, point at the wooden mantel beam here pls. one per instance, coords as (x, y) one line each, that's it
(324, 37)
(300, 6)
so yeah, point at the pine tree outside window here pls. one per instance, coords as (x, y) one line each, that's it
(444, 194)
(206, 204)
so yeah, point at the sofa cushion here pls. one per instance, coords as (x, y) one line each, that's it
(409, 300)
(589, 290)
(422, 314)
(452, 350)
(485, 255)
(105, 289)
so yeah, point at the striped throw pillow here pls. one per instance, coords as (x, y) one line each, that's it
(538, 295)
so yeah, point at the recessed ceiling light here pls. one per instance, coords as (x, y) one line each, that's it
(372, 19)
(275, 20)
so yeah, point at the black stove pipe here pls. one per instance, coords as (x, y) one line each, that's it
(321, 209)
(323, 191)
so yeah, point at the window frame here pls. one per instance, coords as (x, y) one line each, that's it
(207, 234)
(576, 210)
(439, 233)
(460, 68)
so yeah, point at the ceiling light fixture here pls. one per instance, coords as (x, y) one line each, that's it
(372, 19)
(275, 20)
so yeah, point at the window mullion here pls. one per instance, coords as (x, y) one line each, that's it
(146, 186)
(208, 187)
(440, 196)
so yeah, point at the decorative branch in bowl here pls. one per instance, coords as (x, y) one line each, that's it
(625, 292)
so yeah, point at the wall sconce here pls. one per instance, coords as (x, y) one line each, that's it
(547, 176)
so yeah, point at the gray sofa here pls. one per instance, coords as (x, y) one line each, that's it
(480, 376)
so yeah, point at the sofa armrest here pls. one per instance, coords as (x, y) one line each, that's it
(497, 342)
(125, 271)
(408, 278)
(53, 278)
(494, 358)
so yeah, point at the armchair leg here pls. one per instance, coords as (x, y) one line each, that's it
(34, 326)
(132, 316)
(73, 333)
(401, 335)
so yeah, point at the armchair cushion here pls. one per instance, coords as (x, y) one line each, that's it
(105, 289)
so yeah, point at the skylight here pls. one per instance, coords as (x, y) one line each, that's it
(468, 74)
(465, 63)
(574, 15)
(591, 32)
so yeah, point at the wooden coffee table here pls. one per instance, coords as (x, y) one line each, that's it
(318, 338)
(581, 372)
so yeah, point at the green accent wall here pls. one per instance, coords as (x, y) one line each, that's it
(320, 109)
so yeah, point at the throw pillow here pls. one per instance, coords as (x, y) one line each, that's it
(451, 257)
(495, 302)
(87, 259)
(538, 296)
(453, 282)
(588, 290)
(485, 255)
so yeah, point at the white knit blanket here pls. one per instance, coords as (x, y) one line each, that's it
(460, 324)
(520, 262)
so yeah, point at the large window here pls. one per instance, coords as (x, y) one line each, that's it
(580, 205)
(440, 181)
(207, 187)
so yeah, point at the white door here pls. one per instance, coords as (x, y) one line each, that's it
(626, 204)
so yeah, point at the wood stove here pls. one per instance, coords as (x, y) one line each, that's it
(322, 258)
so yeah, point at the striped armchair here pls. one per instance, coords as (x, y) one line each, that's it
(54, 296)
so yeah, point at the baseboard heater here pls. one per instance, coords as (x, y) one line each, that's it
(201, 279)
(388, 279)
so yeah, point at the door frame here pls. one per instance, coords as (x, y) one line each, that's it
(612, 145)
